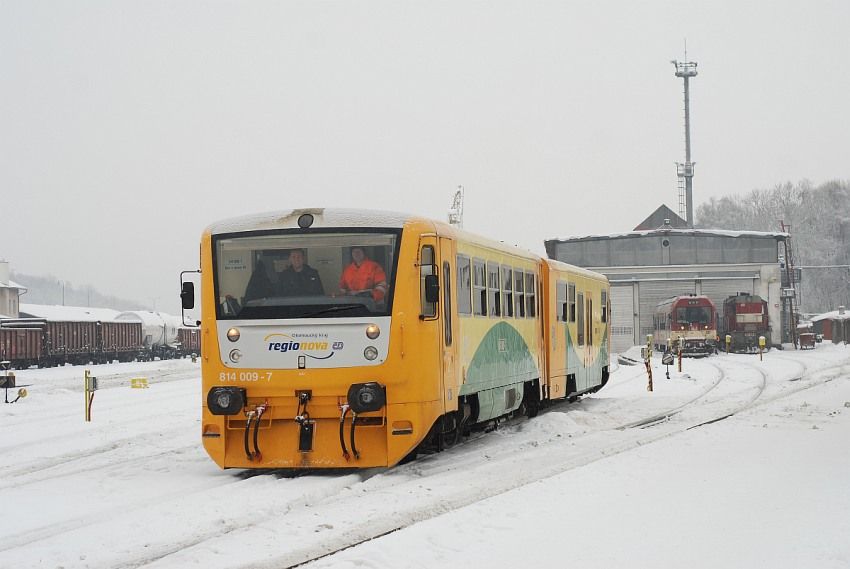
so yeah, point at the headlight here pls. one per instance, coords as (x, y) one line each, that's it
(233, 334)
(226, 400)
(372, 331)
(363, 397)
(235, 355)
(370, 353)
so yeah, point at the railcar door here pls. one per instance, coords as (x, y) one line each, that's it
(430, 343)
(581, 348)
(450, 384)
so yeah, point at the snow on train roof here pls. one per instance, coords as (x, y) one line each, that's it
(323, 217)
(67, 313)
(149, 317)
(661, 231)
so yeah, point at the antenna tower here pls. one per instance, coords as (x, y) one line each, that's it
(685, 170)
(456, 211)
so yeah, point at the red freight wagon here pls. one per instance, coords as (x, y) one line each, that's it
(121, 340)
(190, 340)
(21, 346)
(70, 342)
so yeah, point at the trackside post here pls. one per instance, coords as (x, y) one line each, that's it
(647, 360)
(90, 388)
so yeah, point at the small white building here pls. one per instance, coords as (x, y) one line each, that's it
(10, 293)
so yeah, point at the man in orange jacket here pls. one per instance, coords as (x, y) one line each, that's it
(363, 275)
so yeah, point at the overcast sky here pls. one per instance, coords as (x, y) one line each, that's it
(128, 127)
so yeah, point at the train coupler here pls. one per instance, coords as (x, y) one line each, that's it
(306, 426)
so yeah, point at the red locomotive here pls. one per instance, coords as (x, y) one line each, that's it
(744, 319)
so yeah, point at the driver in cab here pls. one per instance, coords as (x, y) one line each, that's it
(363, 275)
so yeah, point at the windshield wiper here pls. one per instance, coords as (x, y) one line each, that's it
(330, 309)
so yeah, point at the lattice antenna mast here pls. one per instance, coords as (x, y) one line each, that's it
(456, 211)
(685, 171)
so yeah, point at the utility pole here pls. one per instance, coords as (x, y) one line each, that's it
(685, 171)
(456, 211)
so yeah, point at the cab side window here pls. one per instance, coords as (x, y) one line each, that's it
(426, 267)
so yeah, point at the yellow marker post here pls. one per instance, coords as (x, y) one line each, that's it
(728, 342)
(681, 349)
(762, 343)
(647, 360)
(90, 387)
(139, 383)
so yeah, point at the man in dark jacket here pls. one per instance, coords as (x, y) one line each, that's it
(300, 279)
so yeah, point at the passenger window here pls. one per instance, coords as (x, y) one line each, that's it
(530, 295)
(464, 285)
(519, 296)
(493, 293)
(604, 306)
(571, 299)
(561, 300)
(507, 291)
(479, 288)
(580, 326)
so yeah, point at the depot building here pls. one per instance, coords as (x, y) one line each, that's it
(647, 266)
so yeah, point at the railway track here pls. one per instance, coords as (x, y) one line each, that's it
(380, 502)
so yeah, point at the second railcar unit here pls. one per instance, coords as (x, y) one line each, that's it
(691, 320)
(442, 330)
(744, 319)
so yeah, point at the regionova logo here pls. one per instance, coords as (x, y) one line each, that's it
(314, 346)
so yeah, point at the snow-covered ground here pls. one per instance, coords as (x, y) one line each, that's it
(731, 463)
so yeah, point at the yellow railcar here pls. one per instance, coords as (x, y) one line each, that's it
(340, 338)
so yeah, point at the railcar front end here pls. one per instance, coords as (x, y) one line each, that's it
(315, 377)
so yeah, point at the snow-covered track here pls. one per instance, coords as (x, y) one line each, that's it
(666, 415)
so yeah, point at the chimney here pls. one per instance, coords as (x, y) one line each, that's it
(840, 310)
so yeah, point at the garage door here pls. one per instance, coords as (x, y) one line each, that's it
(653, 292)
(622, 318)
(719, 290)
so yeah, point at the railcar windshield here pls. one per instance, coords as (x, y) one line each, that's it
(694, 315)
(286, 274)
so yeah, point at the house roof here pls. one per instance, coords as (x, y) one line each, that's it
(72, 313)
(834, 315)
(657, 217)
(12, 284)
